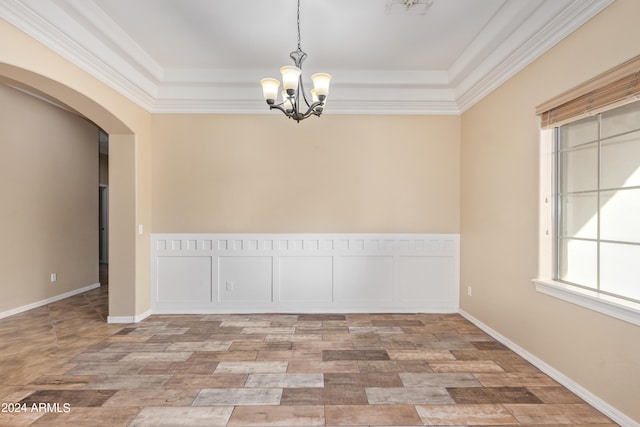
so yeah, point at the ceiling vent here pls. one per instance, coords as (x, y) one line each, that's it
(416, 7)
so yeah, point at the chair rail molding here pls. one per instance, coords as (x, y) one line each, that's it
(292, 273)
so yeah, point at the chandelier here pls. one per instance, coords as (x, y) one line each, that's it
(294, 102)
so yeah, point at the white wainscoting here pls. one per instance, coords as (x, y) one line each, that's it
(293, 273)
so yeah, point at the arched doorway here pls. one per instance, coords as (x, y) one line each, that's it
(128, 282)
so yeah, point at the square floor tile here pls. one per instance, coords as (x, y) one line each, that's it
(515, 379)
(574, 413)
(324, 396)
(61, 382)
(265, 416)
(430, 355)
(439, 380)
(310, 366)
(466, 366)
(369, 379)
(74, 398)
(285, 380)
(554, 394)
(206, 381)
(107, 417)
(183, 416)
(158, 397)
(252, 367)
(372, 415)
(407, 395)
(465, 415)
(330, 355)
(124, 382)
(493, 395)
(238, 396)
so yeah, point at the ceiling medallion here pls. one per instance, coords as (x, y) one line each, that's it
(419, 7)
(293, 93)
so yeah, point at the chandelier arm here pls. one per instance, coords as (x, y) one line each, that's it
(312, 110)
(295, 113)
(279, 107)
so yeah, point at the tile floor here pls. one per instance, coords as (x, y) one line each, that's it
(62, 365)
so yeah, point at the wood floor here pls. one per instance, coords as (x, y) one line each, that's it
(63, 365)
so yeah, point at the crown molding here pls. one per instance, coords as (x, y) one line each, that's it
(90, 16)
(478, 85)
(347, 107)
(50, 25)
(517, 35)
(506, 21)
(238, 92)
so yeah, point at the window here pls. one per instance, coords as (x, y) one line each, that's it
(589, 249)
(597, 220)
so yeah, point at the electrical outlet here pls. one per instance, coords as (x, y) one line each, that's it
(469, 291)
(54, 277)
(229, 286)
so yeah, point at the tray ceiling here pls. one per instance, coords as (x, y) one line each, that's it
(209, 55)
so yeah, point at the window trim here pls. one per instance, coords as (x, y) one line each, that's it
(615, 307)
(618, 308)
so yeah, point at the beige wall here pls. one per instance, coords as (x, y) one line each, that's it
(264, 173)
(499, 208)
(49, 206)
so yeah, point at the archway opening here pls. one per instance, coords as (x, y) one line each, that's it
(122, 181)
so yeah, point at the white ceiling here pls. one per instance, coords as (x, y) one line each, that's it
(209, 55)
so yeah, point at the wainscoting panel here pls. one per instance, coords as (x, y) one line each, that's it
(293, 273)
(364, 280)
(184, 279)
(306, 279)
(245, 279)
(420, 277)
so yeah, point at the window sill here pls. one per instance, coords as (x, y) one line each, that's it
(611, 306)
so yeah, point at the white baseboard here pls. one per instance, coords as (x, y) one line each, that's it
(558, 376)
(129, 319)
(37, 304)
(306, 310)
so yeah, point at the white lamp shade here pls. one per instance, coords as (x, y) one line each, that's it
(290, 76)
(321, 83)
(314, 96)
(270, 88)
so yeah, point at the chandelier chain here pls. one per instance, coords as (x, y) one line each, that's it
(298, 24)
